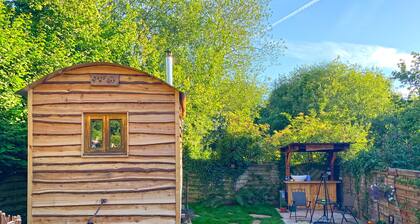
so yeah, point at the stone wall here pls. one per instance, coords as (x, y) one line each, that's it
(404, 209)
(255, 176)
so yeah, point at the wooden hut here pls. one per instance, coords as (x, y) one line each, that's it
(107, 134)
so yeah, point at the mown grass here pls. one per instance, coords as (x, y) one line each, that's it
(234, 214)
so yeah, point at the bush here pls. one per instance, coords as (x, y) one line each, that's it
(252, 196)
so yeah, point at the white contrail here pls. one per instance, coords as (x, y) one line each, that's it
(307, 5)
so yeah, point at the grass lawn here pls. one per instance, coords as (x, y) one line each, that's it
(234, 214)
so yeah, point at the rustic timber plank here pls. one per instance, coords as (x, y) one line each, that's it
(66, 140)
(104, 191)
(154, 89)
(103, 69)
(104, 219)
(150, 139)
(103, 180)
(154, 117)
(99, 166)
(56, 128)
(100, 102)
(152, 128)
(127, 184)
(130, 169)
(104, 108)
(135, 92)
(58, 118)
(86, 160)
(93, 163)
(56, 151)
(144, 210)
(58, 98)
(99, 176)
(166, 149)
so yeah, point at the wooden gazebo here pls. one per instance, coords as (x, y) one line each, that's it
(310, 187)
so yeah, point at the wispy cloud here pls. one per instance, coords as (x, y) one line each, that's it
(295, 12)
(364, 55)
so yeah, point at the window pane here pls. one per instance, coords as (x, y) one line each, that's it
(115, 136)
(96, 137)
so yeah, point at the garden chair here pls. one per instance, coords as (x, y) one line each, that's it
(346, 208)
(299, 201)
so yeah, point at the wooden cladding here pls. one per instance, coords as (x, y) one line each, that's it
(105, 134)
(68, 177)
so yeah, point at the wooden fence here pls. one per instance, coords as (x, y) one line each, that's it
(13, 194)
(7, 219)
(403, 208)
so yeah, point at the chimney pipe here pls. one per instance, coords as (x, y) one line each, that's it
(169, 67)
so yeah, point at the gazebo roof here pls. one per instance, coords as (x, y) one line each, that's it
(316, 147)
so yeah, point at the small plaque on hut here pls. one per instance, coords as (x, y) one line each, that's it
(104, 80)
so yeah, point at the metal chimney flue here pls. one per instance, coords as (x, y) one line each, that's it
(169, 67)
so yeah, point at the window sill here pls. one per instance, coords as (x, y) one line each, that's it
(105, 154)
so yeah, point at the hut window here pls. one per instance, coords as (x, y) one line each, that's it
(105, 133)
(96, 134)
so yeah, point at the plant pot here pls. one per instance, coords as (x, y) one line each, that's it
(283, 210)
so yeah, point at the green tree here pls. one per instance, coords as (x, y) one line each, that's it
(213, 43)
(397, 137)
(410, 77)
(334, 91)
(396, 141)
(15, 56)
(330, 102)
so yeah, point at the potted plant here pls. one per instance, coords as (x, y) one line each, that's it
(283, 205)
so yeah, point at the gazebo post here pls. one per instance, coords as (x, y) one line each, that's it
(287, 160)
(332, 156)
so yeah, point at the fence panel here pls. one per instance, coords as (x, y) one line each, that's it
(404, 207)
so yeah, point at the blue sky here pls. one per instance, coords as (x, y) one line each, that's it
(372, 33)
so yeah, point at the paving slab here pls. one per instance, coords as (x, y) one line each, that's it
(291, 220)
(258, 216)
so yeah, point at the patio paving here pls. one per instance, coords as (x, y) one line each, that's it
(258, 218)
(317, 215)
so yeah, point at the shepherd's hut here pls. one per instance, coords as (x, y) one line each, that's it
(104, 146)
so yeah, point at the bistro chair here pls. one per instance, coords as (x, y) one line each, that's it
(299, 201)
(346, 208)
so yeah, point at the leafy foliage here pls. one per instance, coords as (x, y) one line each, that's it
(311, 128)
(331, 102)
(15, 49)
(335, 91)
(212, 42)
(234, 146)
(410, 77)
(254, 196)
(242, 145)
(396, 141)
